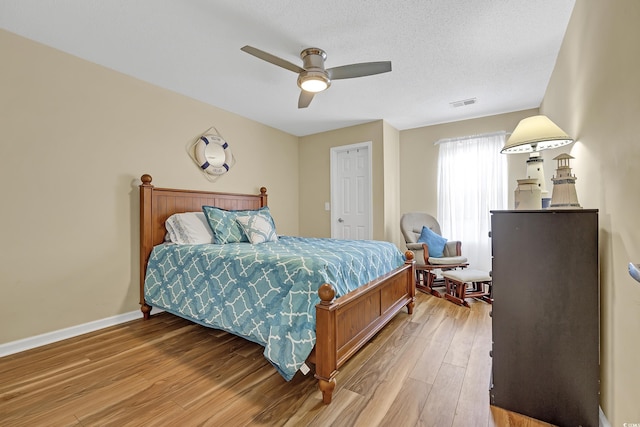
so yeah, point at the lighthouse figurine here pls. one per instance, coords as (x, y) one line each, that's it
(535, 169)
(564, 185)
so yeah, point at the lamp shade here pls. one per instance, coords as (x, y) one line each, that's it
(535, 133)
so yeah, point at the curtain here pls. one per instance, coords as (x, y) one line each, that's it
(472, 180)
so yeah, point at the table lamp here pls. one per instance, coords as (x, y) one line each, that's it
(532, 135)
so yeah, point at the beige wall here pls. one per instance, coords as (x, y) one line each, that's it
(594, 95)
(75, 138)
(314, 176)
(419, 158)
(391, 161)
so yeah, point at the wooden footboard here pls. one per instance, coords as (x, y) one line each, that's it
(346, 324)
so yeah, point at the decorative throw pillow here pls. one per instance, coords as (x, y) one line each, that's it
(189, 228)
(258, 227)
(434, 241)
(224, 226)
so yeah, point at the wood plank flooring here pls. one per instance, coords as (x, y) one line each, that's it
(428, 369)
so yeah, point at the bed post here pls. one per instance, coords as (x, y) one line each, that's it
(411, 285)
(263, 197)
(146, 236)
(326, 350)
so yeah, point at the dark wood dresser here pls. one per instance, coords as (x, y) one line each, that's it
(546, 336)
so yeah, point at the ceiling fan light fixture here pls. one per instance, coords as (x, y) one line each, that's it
(313, 81)
(313, 77)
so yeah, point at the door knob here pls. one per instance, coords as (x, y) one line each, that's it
(340, 220)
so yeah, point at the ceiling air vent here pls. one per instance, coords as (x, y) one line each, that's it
(463, 103)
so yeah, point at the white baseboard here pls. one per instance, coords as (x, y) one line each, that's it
(63, 334)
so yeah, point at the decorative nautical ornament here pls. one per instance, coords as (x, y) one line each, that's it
(528, 195)
(564, 194)
(209, 156)
(535, 170)
(212, 154)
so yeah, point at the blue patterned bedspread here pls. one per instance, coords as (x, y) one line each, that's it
(267, 292)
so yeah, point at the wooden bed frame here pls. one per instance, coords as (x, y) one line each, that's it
(343, 325)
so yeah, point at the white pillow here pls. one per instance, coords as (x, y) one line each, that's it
(189, 228)
(258, 227)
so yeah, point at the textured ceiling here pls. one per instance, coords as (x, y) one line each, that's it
(500, 52)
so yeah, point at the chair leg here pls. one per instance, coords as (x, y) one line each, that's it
(456, 292)
(424, 282)
(430, 280)
(421, 283)
(488, 298)
(475, 290)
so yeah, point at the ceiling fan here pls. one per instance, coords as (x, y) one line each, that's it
(312, 76)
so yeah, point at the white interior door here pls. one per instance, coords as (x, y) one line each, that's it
(351, 213)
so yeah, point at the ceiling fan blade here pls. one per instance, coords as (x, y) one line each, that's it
(265, 56)
(359, 70)
(305, 99)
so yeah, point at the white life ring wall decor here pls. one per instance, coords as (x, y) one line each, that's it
(212, 154)
(201, 156)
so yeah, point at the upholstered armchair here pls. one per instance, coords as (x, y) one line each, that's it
(447, 256)
(411, 225)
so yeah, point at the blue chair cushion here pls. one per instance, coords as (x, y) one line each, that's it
(434, 241)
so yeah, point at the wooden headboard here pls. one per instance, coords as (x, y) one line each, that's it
(158, 204)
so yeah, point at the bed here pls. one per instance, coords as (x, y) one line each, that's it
(343, 324)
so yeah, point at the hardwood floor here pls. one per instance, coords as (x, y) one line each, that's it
(428, 369)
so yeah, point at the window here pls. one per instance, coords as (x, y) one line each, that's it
(472, 180)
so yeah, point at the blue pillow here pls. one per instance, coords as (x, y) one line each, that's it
(434, 241)
(224, 226)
